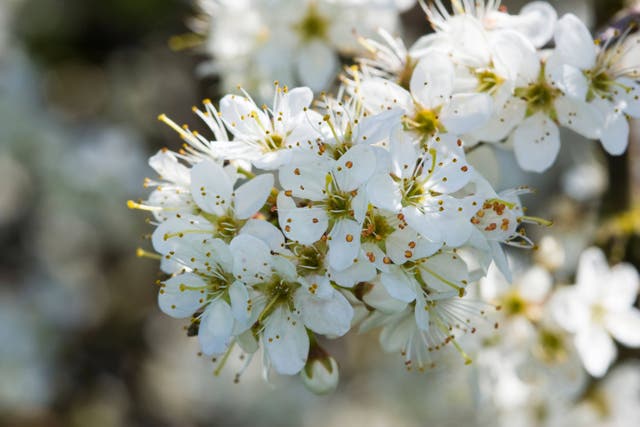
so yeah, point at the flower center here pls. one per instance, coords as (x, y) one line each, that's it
(600, 85)
(274, 142)
(376, 228)
(514, 305)
(338, 205)
(310, 259)
(425, 122)
(225, 226)
(313, 25)
(488, 81)
(551, 346)
(539, 97)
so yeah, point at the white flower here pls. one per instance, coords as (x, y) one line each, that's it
(524, 298)
(268, 137)
(497, 222)
(535, 21)
(222, 210)
(605, 77)
(597, 307)
(255, 42)
(421, 185)
(171, 195)
(339, 202)
(300, 304)
(432, 106)
(202, 291)
(433, 312)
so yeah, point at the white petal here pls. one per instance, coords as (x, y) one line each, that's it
(625, 327)
(265, 231)
(243, 118)
(383, 193)
(176, 300)
(504, 119)
(380, 94)
(432, 80)
(317, 65)
(286, 342)
(378, 298)
(574, 43)
(571, 80)
(306, 180)
(215, 329)
(362, 270)
(621, 288)
(631, 96)
(539, 22)
(360, 205)
(398, 284)
(354, 167)
(318, 286)
(304, 225)
(403, 153)
(593, 272)
(251, 259)
(445, 272)
(344, 244)
(170, 234)
(271, 160)
(579, 116)
(536, 142)
(395, 336)
(165, 163)
(422, 224)
(470, 45)
(510, 52)
(534, 285)
(615, 134)
(239, 297)
(500, 259)
(569, 311)
(211, 188)
(450, 170)
(324, 316)
(376, 128)
(596, 349)
(466, 112)
(422, 313)
(250, 197)
(296, 100)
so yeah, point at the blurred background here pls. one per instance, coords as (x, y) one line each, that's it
(82, 341)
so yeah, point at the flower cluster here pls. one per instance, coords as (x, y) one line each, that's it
(293, 218)
(254, 42)
(482, 74)
(298, 220)
(550, 332)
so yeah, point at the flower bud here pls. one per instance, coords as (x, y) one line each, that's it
(320, 374)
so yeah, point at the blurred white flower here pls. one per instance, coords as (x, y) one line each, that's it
(253, 43)
(598, 307)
